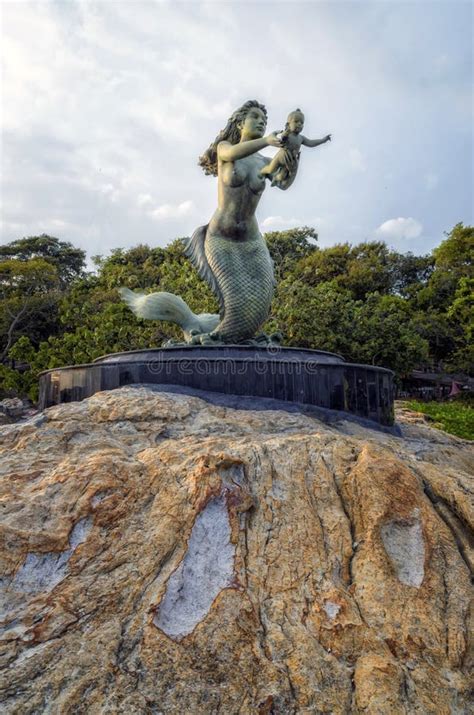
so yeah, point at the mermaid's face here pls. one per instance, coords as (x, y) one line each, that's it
(254, 125)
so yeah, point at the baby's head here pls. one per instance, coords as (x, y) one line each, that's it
(295, 121)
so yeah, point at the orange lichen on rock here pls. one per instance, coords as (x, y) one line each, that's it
(163, 555)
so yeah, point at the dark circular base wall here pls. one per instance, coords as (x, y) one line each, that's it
(310, 377)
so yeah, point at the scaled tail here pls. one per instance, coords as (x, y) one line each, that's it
(167, 306)
(158, 306)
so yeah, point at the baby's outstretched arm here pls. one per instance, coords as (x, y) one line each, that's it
(316, 142)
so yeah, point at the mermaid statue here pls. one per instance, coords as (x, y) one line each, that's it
(229, 253)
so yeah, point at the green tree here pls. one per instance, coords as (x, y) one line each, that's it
(288, 247)
(323, 265)
(456, 252)
(370, 269)
(461, 314)
(319, 317)
(366, 268)
(28, 296)
(384, 334)
(445, 301)
(68, 261)
(453, 260)
(410, 273)
(34, 272)
(133, 268)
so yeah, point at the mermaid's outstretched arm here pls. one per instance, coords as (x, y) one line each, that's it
(231, 152)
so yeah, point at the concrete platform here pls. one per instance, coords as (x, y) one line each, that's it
(306, 377)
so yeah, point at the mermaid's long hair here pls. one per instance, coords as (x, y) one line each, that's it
(231, 133)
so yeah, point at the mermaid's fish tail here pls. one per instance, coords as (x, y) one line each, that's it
(244, 274)
(170, 307)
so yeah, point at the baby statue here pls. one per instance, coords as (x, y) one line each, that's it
(284, 165)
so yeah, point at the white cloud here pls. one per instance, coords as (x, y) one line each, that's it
(357, 160)
(277, 223)
(111, 192)
(399, 228)
(280, 223)
(144, 199)
(172, 210)
(59, 223)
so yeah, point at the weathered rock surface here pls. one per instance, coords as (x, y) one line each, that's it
(163, 555)
(13, 409)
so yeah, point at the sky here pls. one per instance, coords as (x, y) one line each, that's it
(107, 105)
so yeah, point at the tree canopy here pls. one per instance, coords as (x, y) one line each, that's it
(34, 273)
(68, 261)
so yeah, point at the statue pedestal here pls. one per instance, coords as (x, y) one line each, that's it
(287, 376)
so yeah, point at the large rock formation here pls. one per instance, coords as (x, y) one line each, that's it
(164, 555)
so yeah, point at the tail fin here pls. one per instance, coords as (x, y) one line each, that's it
(160, 306)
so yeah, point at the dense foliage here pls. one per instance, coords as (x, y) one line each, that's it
(367, 302)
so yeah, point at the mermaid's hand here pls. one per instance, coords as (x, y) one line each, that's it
(273, 140)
